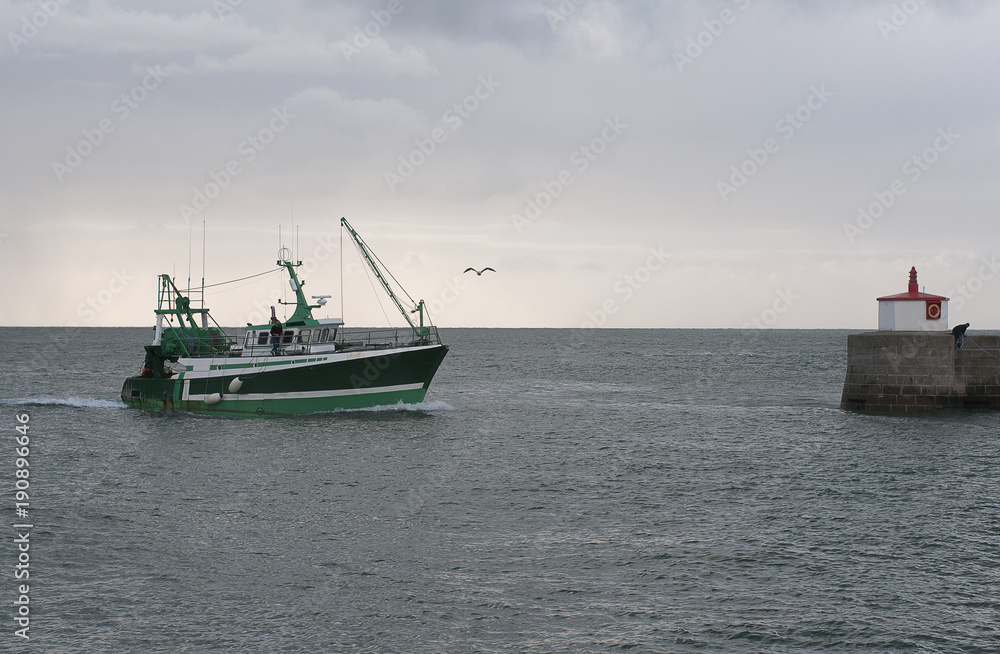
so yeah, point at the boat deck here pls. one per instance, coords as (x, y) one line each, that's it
(317, 340)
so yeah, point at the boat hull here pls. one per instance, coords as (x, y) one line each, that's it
(290, 385)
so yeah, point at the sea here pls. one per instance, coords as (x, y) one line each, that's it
(558, 491)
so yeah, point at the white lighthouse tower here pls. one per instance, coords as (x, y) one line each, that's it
(913, 310)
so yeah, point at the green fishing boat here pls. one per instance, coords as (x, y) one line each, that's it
(303, 365)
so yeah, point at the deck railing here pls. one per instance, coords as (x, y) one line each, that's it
(365, 339)
(201, 342)
(348, 340)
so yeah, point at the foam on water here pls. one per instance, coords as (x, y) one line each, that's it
(670, 354)
(434, 405)
(79, 402)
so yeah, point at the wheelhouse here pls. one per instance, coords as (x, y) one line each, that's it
(318, 337)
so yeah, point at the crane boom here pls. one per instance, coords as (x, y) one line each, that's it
(376, 265)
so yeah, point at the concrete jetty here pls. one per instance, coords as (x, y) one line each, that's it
(910, 372)
(913, 363)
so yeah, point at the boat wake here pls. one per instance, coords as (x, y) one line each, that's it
(434, 405)
(79, 402)
(670, 354)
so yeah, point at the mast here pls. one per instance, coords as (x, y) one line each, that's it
(371, 260)
(303, 310)
(187, 338)
(172, 303)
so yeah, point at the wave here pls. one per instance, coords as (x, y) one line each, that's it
(78, 402)
(670, 354)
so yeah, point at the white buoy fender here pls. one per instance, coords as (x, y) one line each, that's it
(234, 386)
(214, 398)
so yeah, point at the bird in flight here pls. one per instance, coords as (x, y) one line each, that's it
(479, 272)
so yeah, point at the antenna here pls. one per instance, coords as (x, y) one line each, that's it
(284, 291)
(295, 254)
(341, 272)
(204, 235)
(190, 239)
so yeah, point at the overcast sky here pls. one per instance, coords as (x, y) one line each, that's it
(623, 164)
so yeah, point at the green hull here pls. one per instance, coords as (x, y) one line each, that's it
(276, 386)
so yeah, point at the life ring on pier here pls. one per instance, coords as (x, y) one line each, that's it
(933, 310)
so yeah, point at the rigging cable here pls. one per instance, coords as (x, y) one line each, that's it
(188, 290)
(389, 272)
(372, 284)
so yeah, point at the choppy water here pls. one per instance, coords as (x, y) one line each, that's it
(620, 490)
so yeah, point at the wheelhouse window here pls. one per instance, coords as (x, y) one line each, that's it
(287, 337)
(262, 338)
(304, 335)
(326, 333)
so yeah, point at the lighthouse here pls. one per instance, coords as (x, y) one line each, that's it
(913, 310)
(913, 364)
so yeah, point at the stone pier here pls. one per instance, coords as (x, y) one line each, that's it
(902, 372)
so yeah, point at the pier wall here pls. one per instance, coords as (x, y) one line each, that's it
(910, 372)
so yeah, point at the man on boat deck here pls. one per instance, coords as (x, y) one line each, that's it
(276, 333)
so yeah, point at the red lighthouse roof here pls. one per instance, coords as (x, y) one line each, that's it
(911, 293)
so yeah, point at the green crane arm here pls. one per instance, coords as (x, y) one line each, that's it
(371, 260)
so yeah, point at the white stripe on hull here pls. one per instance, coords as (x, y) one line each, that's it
(301, 395)
(207, 367)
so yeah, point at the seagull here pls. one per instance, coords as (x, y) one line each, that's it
(959, 330)
(478, 272)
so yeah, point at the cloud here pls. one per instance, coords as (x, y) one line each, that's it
(289, 51)
(110, 30)
(212, 43)
(558, 83)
